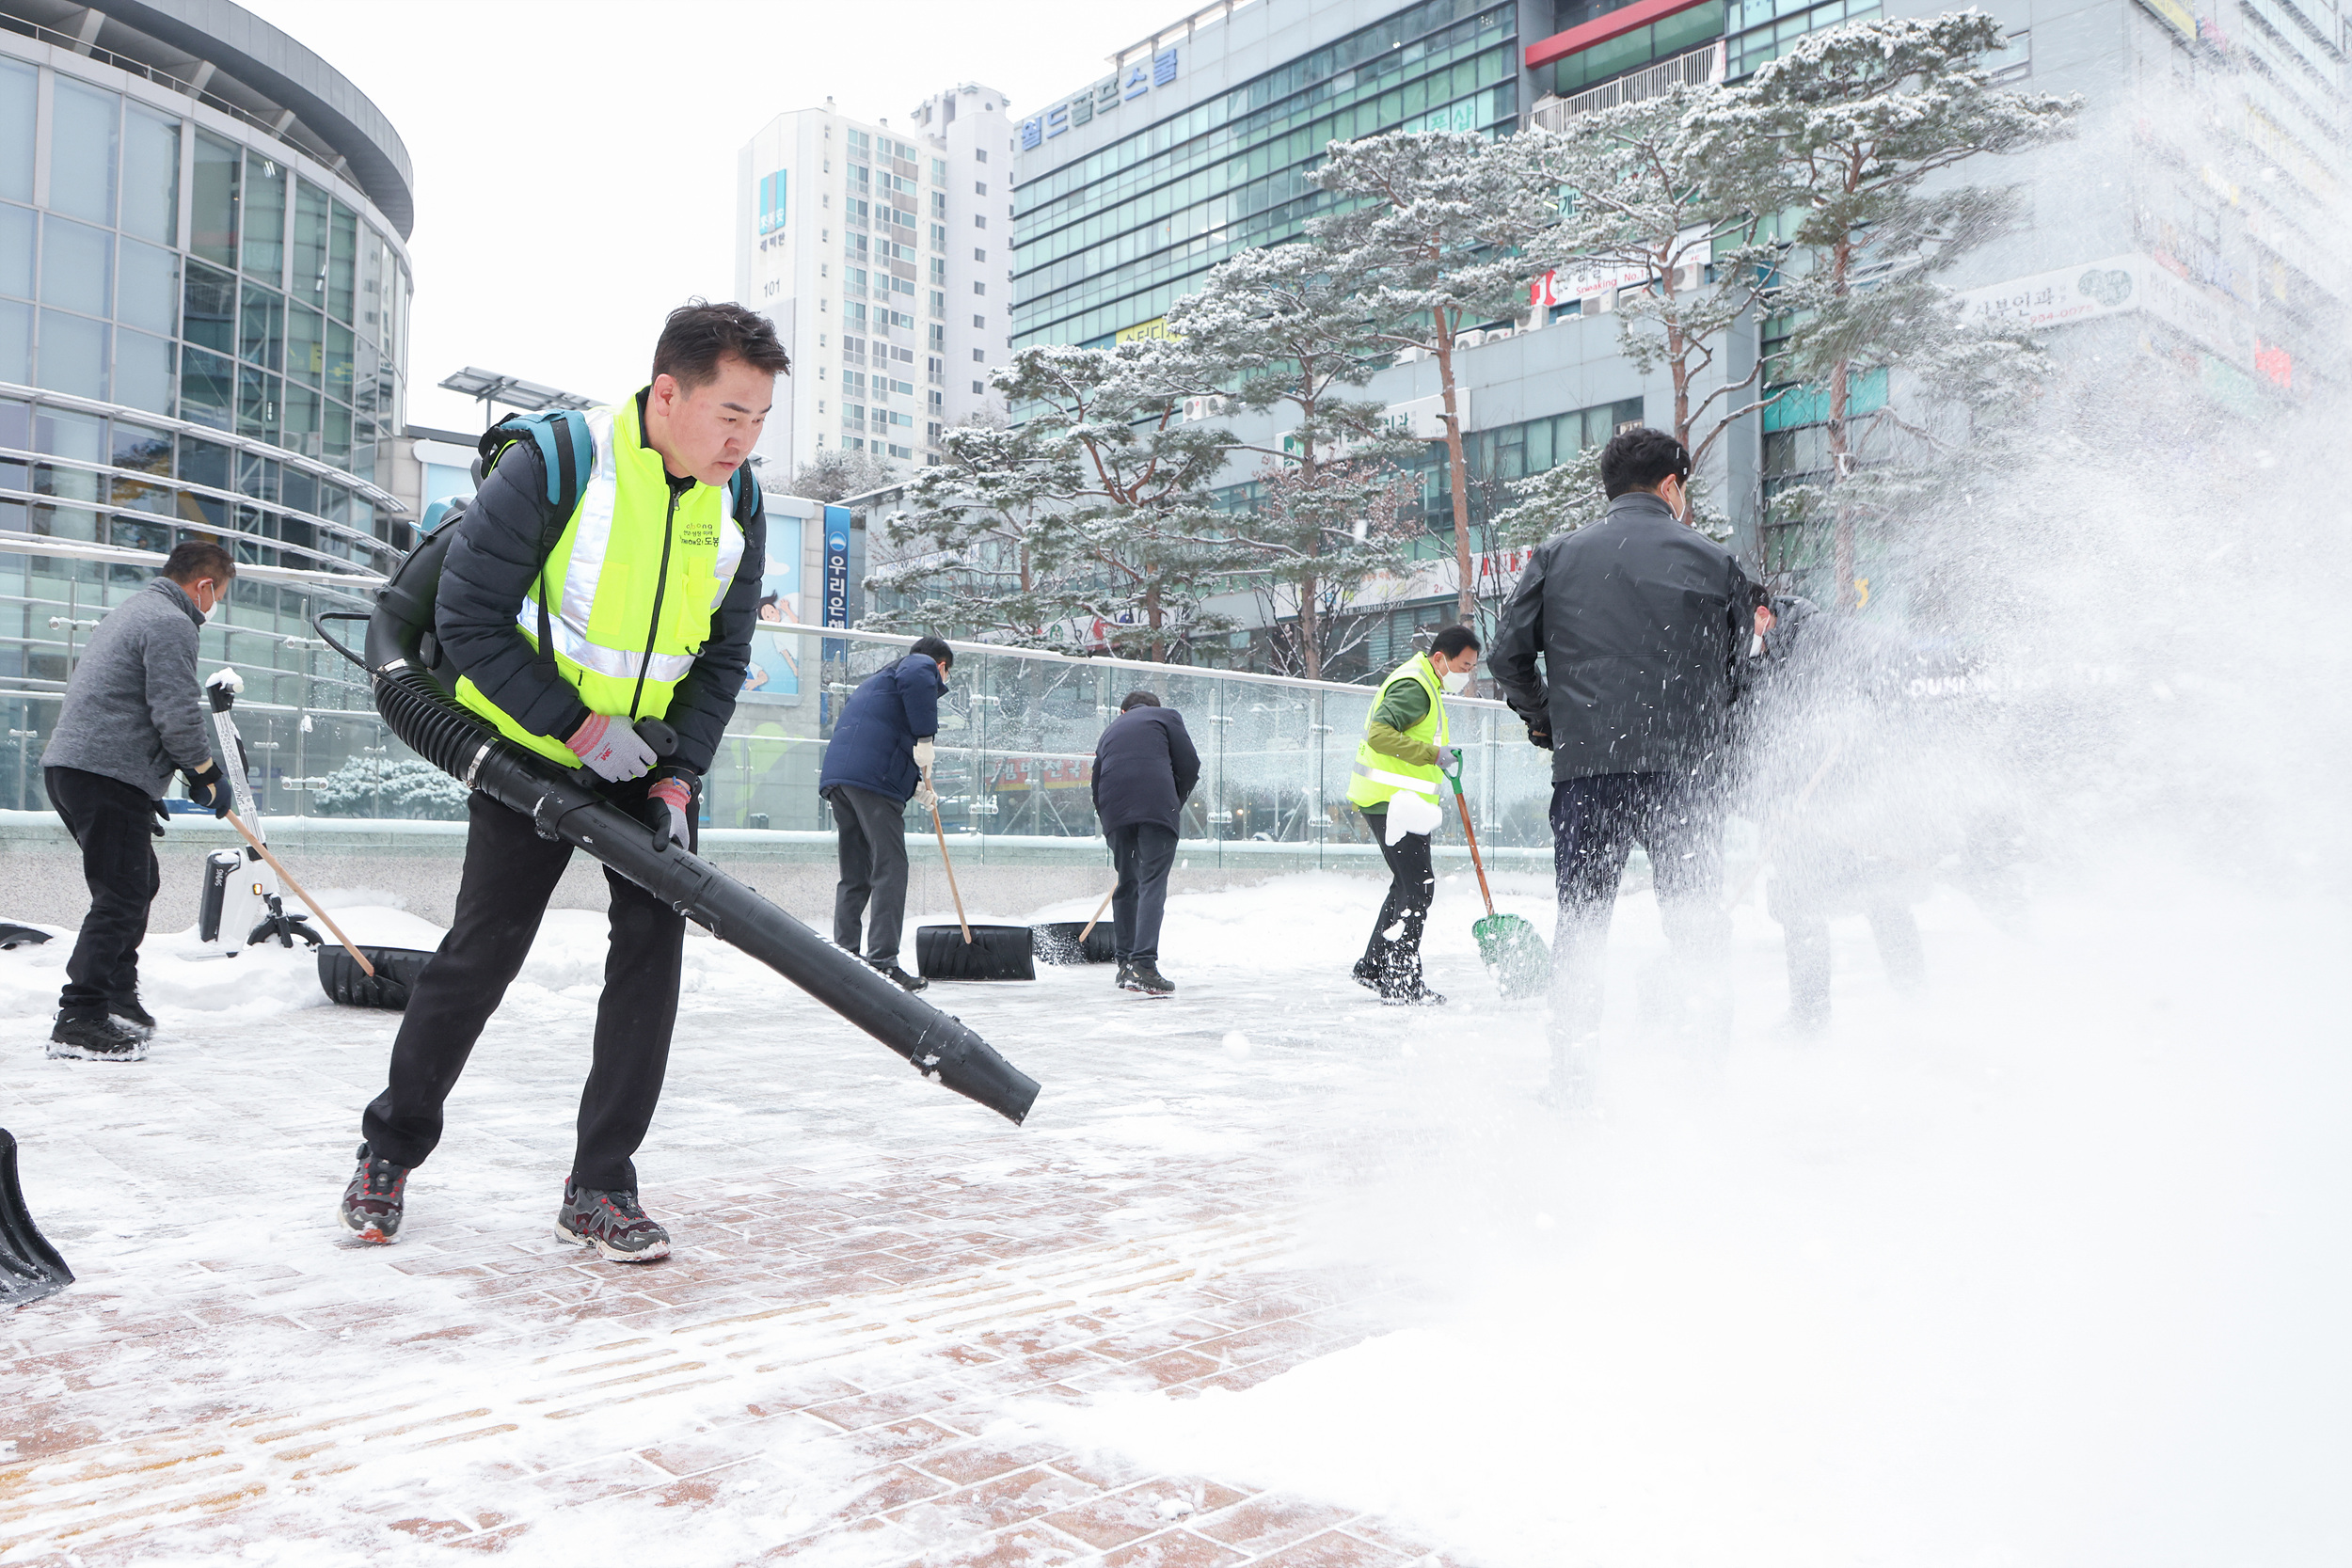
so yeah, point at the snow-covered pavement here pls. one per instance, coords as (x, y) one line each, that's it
(2047, 1266)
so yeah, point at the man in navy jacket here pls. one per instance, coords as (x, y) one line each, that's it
(880, 758)
(1144, 769)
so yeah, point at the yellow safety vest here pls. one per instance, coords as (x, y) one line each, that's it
(634, 581)
(1379, 776)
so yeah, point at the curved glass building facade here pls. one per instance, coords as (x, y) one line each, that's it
(204, 293)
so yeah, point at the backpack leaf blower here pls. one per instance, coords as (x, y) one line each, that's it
(413, 680)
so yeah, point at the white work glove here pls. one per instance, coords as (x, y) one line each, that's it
(1449, 758)
(925, 795)
(925, 753)
(612, 750)
(1411, 813)
(675, 794)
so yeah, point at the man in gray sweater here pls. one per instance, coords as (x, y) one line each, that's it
(132, 714)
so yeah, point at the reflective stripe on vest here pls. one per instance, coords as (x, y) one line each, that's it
(1379, 776)
(625, 633)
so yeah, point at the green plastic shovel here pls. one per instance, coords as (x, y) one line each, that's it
(1516, 955)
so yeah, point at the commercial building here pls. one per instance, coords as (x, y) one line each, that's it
(883, 254)
(1199, 141)
(204, 290)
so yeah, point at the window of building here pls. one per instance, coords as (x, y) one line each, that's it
(939, 336)
(979, 154)
(980, 322)
(20, 105)
(84, 141)
(978, 222)
(263, 221)
(150, 175)
(939, 204)
(939, 171)
(76, 266)
(979, 357)
(979, 254)
(978, 288)
(980, 388)
(219, 165)
(939, 236)
(979, 187)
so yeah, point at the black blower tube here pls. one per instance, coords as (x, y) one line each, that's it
(454, 739)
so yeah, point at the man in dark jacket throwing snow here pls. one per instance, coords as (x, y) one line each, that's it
(1641, 623)
(879, 759)
(1144, 769)
(132, 713)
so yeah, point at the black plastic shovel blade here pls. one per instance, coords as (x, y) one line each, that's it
(994, 953)
(1057, 943)
(29, 1266)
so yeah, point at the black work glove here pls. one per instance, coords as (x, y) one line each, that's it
(207, 786)
(163, 815)
(1539, 737)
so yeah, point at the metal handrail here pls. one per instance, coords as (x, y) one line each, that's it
(1106, 662)
(316, 468)
(12, 543)
(1697, 68)
(167, 481)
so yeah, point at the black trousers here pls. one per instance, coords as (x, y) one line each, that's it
(873, 883)
(510, 874)
(1596, 821)
(115, 824)
(1142, 852)
(1392, 957)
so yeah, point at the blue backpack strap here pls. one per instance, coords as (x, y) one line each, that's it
(566, 451)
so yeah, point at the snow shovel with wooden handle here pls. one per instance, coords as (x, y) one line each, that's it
(1515, 954)
(986, 951)
(1066, 942)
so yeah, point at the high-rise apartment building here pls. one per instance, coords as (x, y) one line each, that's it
(883, 254)
(2203, 248)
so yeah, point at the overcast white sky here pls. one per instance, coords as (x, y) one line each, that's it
(575, 161)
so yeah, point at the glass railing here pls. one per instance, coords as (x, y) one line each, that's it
(1018, 730)
(1016, 740)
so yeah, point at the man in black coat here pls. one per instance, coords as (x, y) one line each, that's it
(1144, 770)
(1642, 624)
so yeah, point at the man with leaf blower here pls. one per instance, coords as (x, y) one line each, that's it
(1642, 624)
(131, 715)
(1399, 782)
(598, 599)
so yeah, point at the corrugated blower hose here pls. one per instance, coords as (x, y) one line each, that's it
(413, 684)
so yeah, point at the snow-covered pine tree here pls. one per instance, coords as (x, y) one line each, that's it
(835, 473)
(1429, 232)
(1103, 486)
(1849, 132)
(1274, 330)
(1313, 537)
(388, 787)
(979, 552)
(1641, 199)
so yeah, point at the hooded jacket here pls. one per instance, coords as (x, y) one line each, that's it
(1641, 623)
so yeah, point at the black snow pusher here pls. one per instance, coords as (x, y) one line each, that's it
(29, 1266)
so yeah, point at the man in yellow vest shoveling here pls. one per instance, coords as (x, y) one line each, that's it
(1399, 784)
(650, 590)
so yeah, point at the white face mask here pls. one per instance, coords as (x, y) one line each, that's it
(1456, 681)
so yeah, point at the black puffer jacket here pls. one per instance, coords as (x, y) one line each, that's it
(491, 564)
(1641, 623)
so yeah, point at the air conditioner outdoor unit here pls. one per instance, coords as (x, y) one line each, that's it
(1468, 340)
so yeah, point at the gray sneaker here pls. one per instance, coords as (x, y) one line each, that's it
(611, 1222)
